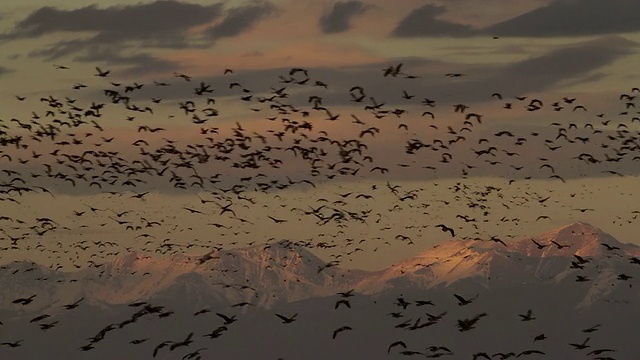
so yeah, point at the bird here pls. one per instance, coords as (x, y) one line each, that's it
(13, 344)
(479, 355)
(560, 246)
(342, 302)
(138, 341)
(192, 211)
(287, 320)
(445, 228)
(275, 220)
(538, 245)
(40, 317)
(160, 346)
(182, 343)
(227, 319)
(531, 352)
(610, 247)
(346, 294)
(582, 345)
(539, 337)
(462, 301)
(216, 332)
(469, 324)
(527, 317)
(102, 73)
(592, 328)
(24, 301)
(396, 343)
(340, 329)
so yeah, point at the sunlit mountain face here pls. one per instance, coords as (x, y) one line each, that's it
(319, 179)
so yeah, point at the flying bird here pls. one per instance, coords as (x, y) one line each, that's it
(462, 301)
(445, 228)
(287, 320)
(340, 329)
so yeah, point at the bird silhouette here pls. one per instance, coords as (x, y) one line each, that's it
(340, 329)
(462, 301)
(287, 320)
(445, 228)
(227, 319)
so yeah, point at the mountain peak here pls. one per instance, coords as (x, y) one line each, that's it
(577, 238)
(579, 227)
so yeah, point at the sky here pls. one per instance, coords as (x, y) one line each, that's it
(567, 156)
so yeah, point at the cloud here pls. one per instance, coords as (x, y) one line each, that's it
(107, 34)
(573, 18)
(423, 22)
(160, 23)
(339, 18)
(115, 35)
(240, 19)
(573, 62)
(4, 70)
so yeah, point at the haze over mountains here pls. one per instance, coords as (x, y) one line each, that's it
(571, 279)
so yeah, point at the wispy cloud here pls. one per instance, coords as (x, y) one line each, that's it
(573, 18)
(4, 70)
(340, 17)
(160, 23)
(115, 35)
(240, 19)
(424, 21)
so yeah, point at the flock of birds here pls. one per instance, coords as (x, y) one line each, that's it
(66, 145)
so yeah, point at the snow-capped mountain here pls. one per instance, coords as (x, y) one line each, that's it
(261, 275)
(543, 257)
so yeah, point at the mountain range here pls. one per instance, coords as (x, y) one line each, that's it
(557, 284)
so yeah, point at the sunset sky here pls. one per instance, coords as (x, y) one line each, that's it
(579, 54)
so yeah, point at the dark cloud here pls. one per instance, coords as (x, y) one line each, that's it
(240, 19)
(4, 70)
(339, 18)
(114, 35)
(161, 23)
(567, 63)
(106, 34)
(423, 22)
(573, 18)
